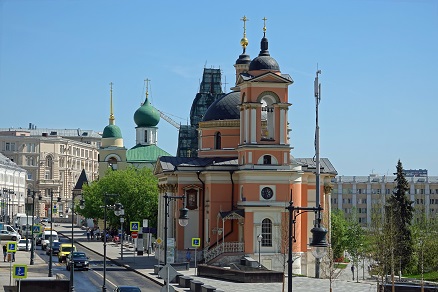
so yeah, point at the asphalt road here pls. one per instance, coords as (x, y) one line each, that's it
(92, 280)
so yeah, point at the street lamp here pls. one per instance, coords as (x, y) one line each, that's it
(51, 233)
(259, 239)
(183, 219)
(72, 265)
(318, 243)
(32, 247)
(117, 211)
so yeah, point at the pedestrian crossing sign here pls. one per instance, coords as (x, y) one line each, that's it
(36, 228)
(20, 271)
(11, 246)
(134, 226)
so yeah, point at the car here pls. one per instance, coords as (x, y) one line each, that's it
(64, 250)
(54, 248)
(47, 236)
(8, 235)
(127, 289)
(21, 245)
(44, 221)
(78, 259)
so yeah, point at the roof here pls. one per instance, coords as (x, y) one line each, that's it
(145, 153)
(224, 108)
(170, 163)
(146, 115)
(112, 131)
(56, 132)
(81, 180)
(310, 164)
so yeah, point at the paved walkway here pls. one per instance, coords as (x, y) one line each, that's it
(143, 265)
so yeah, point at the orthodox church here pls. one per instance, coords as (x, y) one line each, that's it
(238, 186)
(112, 152)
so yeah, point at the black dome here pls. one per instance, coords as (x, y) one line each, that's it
(224, 108)
(264, 61)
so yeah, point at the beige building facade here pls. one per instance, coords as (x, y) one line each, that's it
(53, 160)
(369, 193)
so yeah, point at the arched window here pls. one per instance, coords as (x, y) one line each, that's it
(112, 163)
(266, 159)
(217, 142)
(267, 232)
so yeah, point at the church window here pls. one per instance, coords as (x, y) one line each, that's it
(146, 136)
(49, 165)
(217, 141)
(112, 163)
(267, 159)
(267, 232)
(192, 199)
(267, 117)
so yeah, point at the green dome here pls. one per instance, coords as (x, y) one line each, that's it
(112, 131)
(146, 115)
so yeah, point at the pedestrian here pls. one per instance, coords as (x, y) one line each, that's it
(188, 255)
(97, 233)
(5, 252)
(352, 270)
(88, 233)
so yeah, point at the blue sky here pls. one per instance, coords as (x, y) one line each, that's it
(379, 62)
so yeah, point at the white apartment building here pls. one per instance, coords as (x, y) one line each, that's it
(370, 192)
(53, 160)
(12, 189)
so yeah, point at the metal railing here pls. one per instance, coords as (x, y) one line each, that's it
(227, 247)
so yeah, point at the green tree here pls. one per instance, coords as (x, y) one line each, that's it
(137, 191)
(338, 233)
(355, 235)
(399, 209)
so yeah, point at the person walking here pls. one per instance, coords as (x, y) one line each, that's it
(5, 252)
(352, 270)
(88, 233)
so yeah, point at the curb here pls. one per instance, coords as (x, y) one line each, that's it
(156, 281)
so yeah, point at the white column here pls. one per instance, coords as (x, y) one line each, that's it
(253, 127)
(283, 124)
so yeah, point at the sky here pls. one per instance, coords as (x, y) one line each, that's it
(379, 64)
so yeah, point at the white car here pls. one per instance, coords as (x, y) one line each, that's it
(21, 245)
(7, 235)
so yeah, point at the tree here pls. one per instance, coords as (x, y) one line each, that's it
(355, 235)
(338, 233)
(399, 209)
(137, 191)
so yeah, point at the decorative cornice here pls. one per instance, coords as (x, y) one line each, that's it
(224, 123)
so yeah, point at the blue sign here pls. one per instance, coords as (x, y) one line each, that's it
(196, 242)
(36, 228)
(20, 271)
(11, 246)
(134, 226)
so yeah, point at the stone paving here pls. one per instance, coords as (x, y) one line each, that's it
(144, 265)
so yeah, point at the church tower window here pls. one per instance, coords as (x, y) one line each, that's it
(217, 141)
(267, 232)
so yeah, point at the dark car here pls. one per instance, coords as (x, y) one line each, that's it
(127, 289)
(79, 260)
(54, 248)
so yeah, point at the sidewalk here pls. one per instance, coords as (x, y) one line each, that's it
(144, 265)
(38, 269)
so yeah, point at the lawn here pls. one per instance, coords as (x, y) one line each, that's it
(430, 276)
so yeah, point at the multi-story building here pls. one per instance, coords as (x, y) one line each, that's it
(12, 189)
(368, 193)
(53, 160)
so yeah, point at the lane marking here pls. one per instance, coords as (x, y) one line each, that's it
(114, 285)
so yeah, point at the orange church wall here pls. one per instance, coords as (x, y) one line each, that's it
(248, 232)
(229, 137)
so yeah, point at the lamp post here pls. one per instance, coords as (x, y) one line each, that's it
(117, 211)
(31, 194)
(318, 243)
(183, 219)
(72, 265)
(259, 239)
(122, 220)
(51, 233)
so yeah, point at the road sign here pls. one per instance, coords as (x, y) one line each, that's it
(168, 273)
(196, 242)
(11, 246)
(20, 271)
(36, 228)
(134, 234)
(55, 210)
(134, 226)
(159, 241)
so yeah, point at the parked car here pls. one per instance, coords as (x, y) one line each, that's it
(8, 235)
(64, 250)
(78, 259)
(54, 248)
(127, 289)
(21, 245)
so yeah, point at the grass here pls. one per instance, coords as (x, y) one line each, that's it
(430, 276)
(340, 265)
